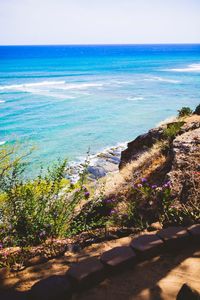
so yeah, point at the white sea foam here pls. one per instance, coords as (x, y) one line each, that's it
(2, 143)
(46, 88)
(134, 98)
(80, 86)
(48, 93)
(161, 79)
(27, 85)
(189, 68)
(2, 101)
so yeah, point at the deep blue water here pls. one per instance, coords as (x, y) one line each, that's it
(65, 99)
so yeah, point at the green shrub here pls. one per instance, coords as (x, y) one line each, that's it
(33, 210)
(197, 110)
(172, 130)
(184, 111)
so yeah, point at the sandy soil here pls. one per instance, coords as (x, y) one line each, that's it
(159, 278)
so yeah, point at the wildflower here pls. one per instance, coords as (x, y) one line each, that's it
(143, 180)
(87, 195)
(173, 206)
(139, 185)
(42, 233)
(1, 246)
(154, 186)
(167, 184)
(107, 201)
(113, 212)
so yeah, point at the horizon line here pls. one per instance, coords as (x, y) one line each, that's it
(98, 44)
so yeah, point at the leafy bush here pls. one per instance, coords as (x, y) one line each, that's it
(148, 202)
(197, 110)
(184, 111)
(33, 210)
(172, 130)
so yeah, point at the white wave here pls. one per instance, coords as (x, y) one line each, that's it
(2, 101)
(134, 98)
(27, 85)
(47, 88)
(161, 79)
(80, 86)
(2, 143)
(189, 68)
(48, 93)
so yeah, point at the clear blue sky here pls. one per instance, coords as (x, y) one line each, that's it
(99, 21)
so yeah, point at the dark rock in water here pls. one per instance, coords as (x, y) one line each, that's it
(188, 293)
(97, 172)
(99, 164)
(114, 160)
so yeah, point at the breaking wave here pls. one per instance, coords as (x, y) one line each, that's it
(189, 68)
(161, 79)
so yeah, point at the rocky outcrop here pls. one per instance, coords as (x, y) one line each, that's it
(141, 144)
(145, 141)
(197, 110)
(183, 157)
(185, 170)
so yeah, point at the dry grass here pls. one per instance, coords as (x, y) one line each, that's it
(149, 162)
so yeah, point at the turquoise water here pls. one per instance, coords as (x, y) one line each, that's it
(65, 99)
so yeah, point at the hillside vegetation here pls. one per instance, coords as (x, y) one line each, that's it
(158, 181)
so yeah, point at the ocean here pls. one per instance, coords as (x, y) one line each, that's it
(64, 100)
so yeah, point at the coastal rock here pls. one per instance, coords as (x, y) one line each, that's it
(145, 141)
(100, 164)
(96, 172)
(140, 144)
(197, 110)
(185, 171)
(182, 167)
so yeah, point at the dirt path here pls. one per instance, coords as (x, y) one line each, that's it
(159, 278)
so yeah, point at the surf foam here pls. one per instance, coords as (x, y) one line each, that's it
(161, 79)
(189, 68)
(134, 98)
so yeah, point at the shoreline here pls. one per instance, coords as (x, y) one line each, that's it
(105, 161)
(99, 164)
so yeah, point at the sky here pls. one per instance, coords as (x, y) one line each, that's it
(35, 22)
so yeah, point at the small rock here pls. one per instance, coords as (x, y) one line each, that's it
(86, 272)
(147, 245)
(52, 288)
(155, 226)
(174, 237)
(118, 257)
